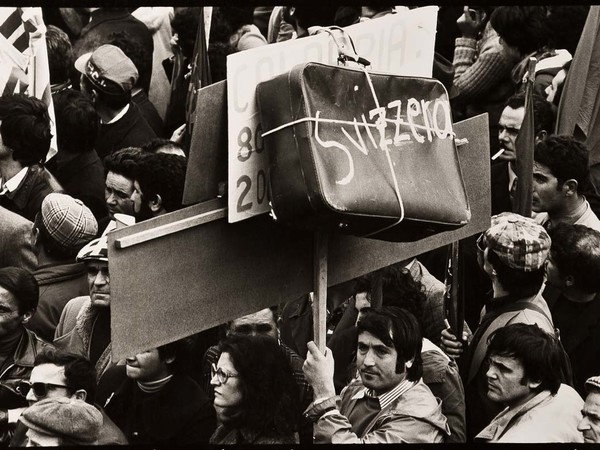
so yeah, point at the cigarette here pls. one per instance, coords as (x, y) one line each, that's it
(498, 154)
(447, 324)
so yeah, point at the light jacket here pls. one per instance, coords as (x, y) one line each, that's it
(544, 418)
(414, 417)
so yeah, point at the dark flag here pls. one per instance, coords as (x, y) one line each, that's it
(200, 76)
(524, 146)
(579, 107)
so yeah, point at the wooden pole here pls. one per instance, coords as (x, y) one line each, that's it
(319, 307)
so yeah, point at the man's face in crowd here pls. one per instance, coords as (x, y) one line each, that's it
(260, 323)
(99, 283)
(507, 383)
(547, 196)
(147, 366)
(10, 318)
(117, 193)
(141, 209)
(590, 423)
(376, 363)
(509, 126)
(553, 277)
(52, 374)
(363, 304)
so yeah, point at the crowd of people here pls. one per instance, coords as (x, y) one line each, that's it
(526, 367)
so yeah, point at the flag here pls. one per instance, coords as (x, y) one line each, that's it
(524, 146)
(578, 110)
(24, 59)
(200, 75)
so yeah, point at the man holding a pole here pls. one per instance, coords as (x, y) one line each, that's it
(368, 409)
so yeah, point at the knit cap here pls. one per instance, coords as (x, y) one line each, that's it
(519, 242)
(68, 418)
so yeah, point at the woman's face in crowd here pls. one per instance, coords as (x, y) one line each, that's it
(228, 394)
(147, 366)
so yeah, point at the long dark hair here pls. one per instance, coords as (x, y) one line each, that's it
(269, 392)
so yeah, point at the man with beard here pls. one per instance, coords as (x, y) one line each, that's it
(158, 184)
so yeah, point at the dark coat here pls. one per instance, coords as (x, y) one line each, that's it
(27, 199)
(179, 414)
(82, 177)
(131, 130)
(14, 370)
(58, 284)
(499, 185)
(149, 112)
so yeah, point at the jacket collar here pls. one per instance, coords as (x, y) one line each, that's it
(25, 352)
(503, 420)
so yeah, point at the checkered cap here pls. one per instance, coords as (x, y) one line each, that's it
(68, 221)
(95, 250)
(518, 241)
(592, 382)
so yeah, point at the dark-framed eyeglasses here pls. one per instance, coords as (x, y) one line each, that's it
(40, 390)
(222, 376)
(481, 245)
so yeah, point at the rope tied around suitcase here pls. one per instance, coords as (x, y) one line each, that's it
(380, 124)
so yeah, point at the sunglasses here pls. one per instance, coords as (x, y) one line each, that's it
(222, 376)
(40, 390)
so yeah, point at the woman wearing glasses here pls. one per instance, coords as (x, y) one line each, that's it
(255, 393)
(159, 404)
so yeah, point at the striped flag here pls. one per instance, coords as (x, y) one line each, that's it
(24, 58)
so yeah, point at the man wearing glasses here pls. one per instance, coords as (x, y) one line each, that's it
(58, 374)
(19, 294)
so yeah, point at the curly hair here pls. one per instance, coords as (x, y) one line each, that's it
(79, 371)
(575, 251)
(122, 162)
(25, 127)
(566, 158)
(398, 288)
(162, 174)
(269, 392)
(523, 27)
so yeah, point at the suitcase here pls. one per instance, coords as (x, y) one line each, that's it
(354, 153)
